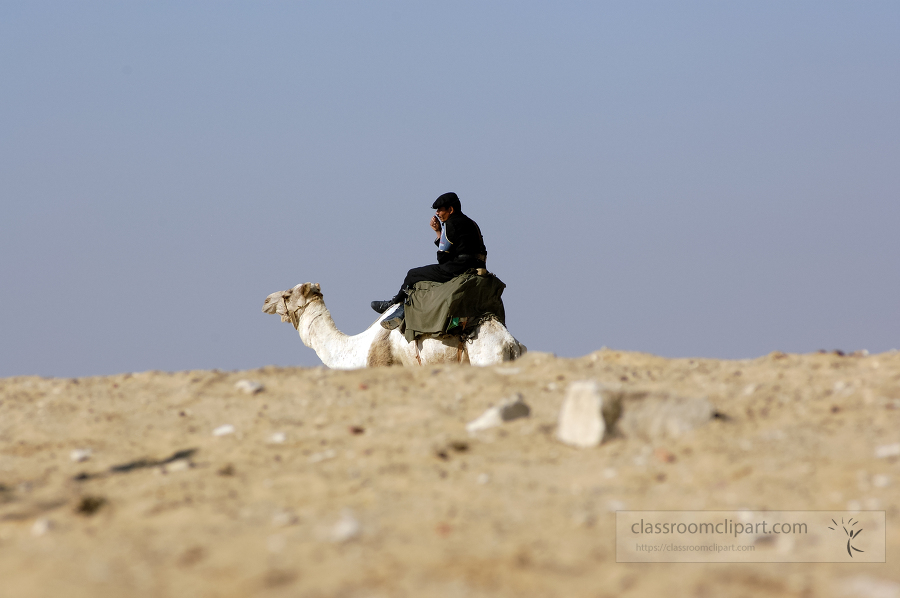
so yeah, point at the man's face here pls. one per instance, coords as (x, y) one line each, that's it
(444, 213)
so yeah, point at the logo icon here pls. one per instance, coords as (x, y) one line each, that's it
(851, 534)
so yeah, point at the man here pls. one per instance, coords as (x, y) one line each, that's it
(460, 247)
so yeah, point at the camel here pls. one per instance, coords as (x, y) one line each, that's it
(304, 307)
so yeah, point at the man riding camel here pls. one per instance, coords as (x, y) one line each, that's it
(460, 247)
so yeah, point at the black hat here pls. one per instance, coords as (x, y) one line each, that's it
(447, 200)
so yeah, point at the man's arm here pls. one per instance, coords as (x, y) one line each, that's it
(436, 226)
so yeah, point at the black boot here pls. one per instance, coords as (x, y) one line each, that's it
(382, 306)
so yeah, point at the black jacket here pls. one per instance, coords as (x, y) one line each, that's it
(466, 244)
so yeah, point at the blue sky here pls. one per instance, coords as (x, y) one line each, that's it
(687, 179)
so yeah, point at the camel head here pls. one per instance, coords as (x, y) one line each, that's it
(287, 303)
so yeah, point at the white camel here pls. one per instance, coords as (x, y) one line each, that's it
(304, 307)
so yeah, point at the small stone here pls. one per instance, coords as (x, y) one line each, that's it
(483, 478)
(663, 455)
(179, 465)
(323, 456)
(888, 450)
(507, 371)
(79, 455)
(284, 519)
(581, 421)
(41, 526)
(277, 438)
(251, 387)
(881, 481)
(864, 586)
(346, 528)
(224, 430)
(275, 543)
(512, 408)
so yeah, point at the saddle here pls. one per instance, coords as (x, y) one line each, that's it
(455, 307)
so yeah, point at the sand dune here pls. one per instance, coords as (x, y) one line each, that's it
(365, 483)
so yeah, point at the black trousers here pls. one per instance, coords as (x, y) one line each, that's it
(437, 273)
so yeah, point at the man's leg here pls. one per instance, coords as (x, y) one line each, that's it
(433, 272)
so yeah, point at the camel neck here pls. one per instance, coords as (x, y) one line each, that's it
(335, 349)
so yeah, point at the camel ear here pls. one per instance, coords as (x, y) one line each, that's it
(310, 289)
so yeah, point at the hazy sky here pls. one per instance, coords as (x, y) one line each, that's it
(715, 179)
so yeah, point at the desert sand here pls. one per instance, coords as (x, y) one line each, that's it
(366, 484)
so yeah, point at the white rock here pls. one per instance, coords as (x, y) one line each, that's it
(41, 526)
(79, 455)
(175, 466)
(323, 456)
(224, 430)
(346, 528)
(249, 386)
(275, 543)
(507, 371)
(284, 519)
(581, 421)
(864, 586)
(277, 438)
(888, 450)
(881, 481)
(512, 408)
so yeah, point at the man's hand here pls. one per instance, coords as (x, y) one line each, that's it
(435, 224)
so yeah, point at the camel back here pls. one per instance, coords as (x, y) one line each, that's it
(438, 308)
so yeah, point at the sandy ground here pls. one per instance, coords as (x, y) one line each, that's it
(376, 489)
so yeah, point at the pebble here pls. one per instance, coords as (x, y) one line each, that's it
(512, 408)
(323, 456)
(881, 481)
(224, 430)
(888, 450)
(284, 519)
(277, 438)
(251, 387)
(346, 528)
(581, 421)
(79, 455)
(507, 371)
(275, 543)
(41, 526)
(179, 465)
(864, 586)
